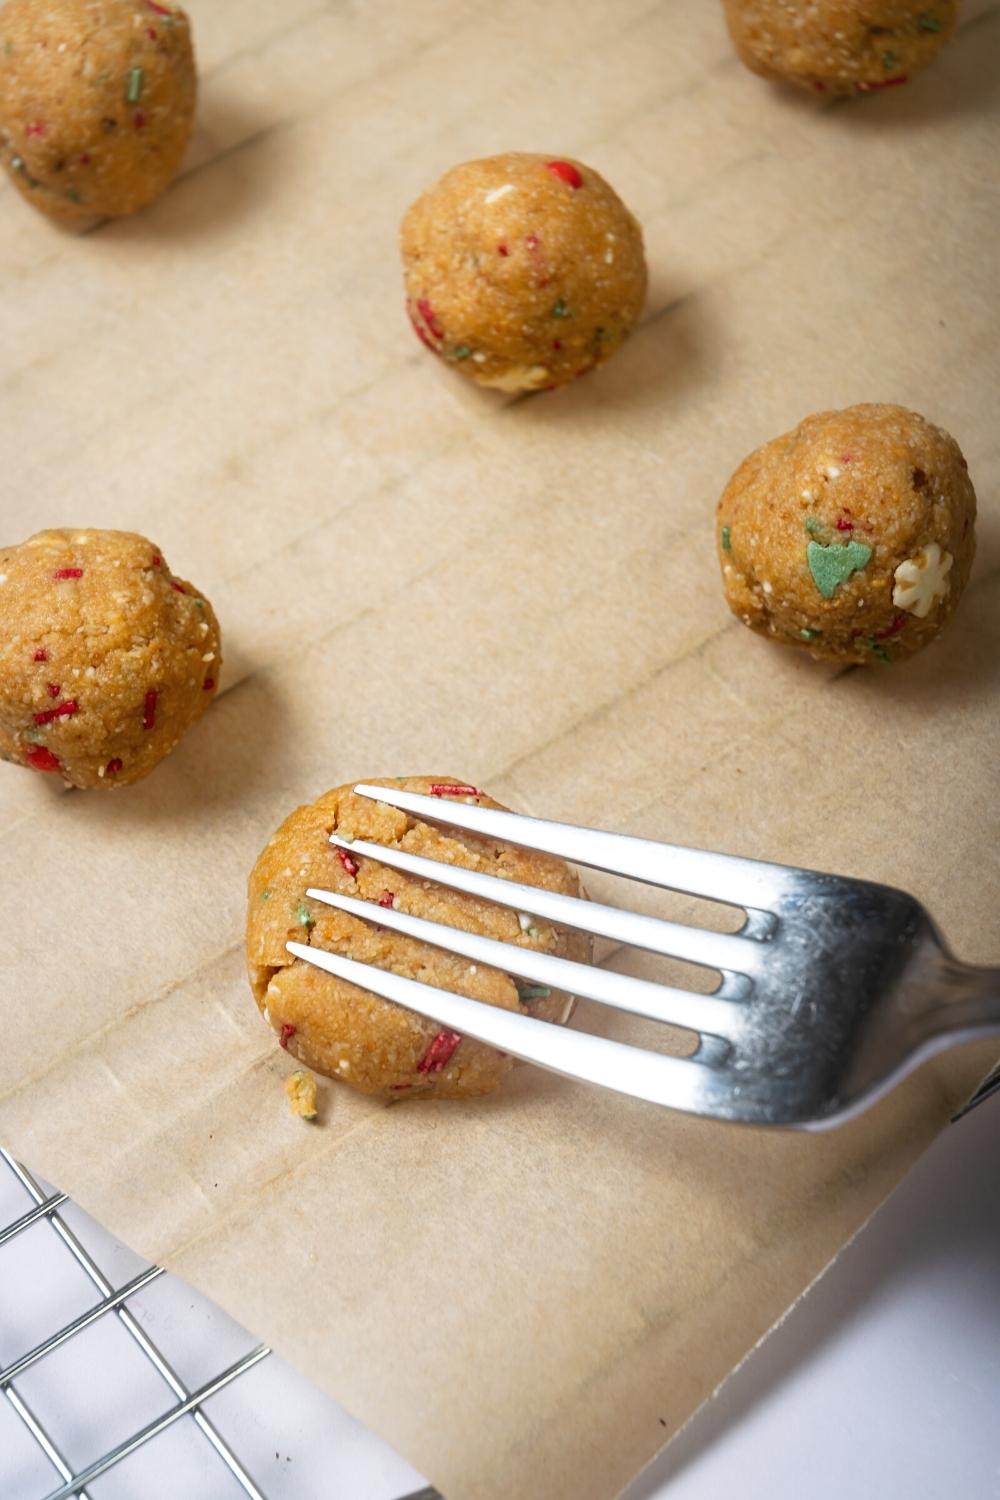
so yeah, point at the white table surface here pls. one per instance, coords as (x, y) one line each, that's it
(884, 1381)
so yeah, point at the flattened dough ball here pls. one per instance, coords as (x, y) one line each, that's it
(105, 657)
(840, 46)
(97, 100)
(851, 536)
(522, 271)
(348, 1033)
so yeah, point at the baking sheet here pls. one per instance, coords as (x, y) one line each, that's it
(531, 1294)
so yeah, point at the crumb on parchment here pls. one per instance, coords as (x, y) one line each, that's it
(300, 1087)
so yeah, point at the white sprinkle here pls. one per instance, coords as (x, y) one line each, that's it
(500, 192)
(343, 1066)
(832, 471)
(208, 656)
(807, 494)
(3, 577)
(767, 588)
(524, 920)
(472, 969)
(267, 1015)
(479, 357)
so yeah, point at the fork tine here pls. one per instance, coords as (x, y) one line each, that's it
(717, 877)
(729, 952)
(723, 1018)
(682, 1083)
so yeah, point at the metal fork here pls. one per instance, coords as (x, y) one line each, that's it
(829, 993)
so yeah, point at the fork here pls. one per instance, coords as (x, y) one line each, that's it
(831, 991)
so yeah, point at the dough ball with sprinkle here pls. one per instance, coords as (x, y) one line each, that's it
(522, 271)
(348, 1033)
(840, 46)
(106, 658)
(97, 100)
(851, 536)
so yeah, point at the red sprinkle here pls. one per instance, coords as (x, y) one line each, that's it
(156, 561)
(892, 629)
(208, 684)
(41, 759)
(161, 10)
(149, 709)
(54, 689)
(566, 172)
(37, 127)
(68, 573)
(847, 458)
(349, 864)
(423, 336)
(819, 86)
(151, 33)
(85, 159)
(398, 1087)
(502, 250)
(882, 83)
(63, 711)
(113, 767)
(139, 119)
(178, 586)
(443, 789)
(386, 898)
(41, 654)
(430, 318)
(843, 524)
(435, 1059)
(287, 1032)
(557, 343)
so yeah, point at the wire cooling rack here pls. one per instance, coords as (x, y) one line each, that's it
(111, 1301)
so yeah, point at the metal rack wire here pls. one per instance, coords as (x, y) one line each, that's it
(187, 1403)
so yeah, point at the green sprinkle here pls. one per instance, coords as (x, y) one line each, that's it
(812, 526)
(265, 895)
(134, 91)
(727, 545)
(74, 195)
(462, 352)
(200, 603)
(831, 566)
(532, 931)
(561, 310)
(889, 60)
(17, 163)
(304, 916)
(928, 23)
(533, 991)
(33, 734)
(879, 650)
(809, 635)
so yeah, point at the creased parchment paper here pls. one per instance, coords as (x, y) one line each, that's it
(530, 1294)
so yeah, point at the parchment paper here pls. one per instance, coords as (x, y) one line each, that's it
(529, 1295)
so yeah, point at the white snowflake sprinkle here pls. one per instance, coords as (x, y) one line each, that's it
(922, 579)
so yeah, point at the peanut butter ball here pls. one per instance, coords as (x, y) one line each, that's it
(840, 46)
(348, 1033)
(106, 658)
(97, 100)
(522, 271)
(852, 536)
